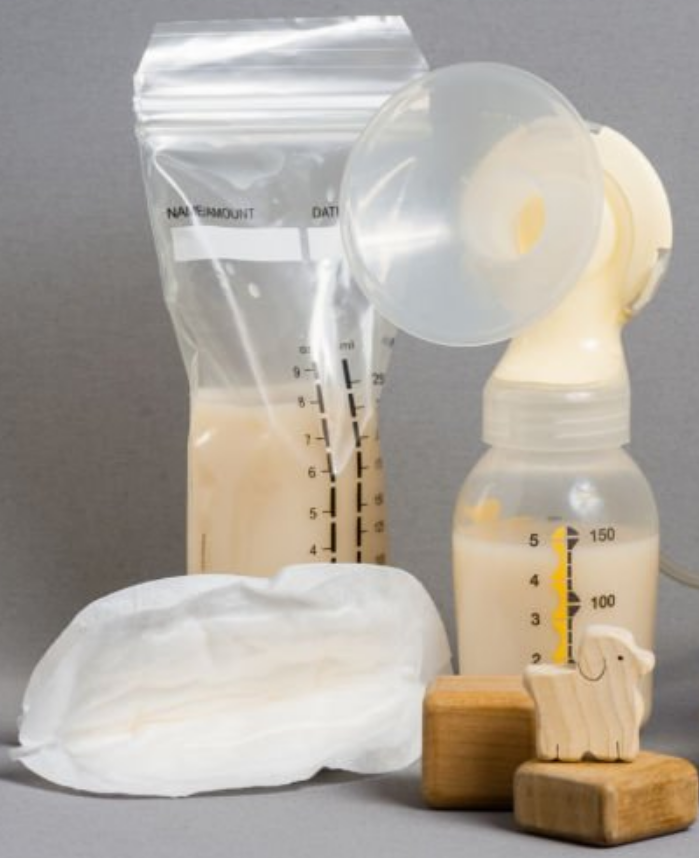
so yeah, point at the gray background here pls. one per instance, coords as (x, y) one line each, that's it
(93, 421)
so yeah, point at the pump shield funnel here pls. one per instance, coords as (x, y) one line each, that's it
(471, 204)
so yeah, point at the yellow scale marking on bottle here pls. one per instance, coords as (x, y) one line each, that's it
(559, 543)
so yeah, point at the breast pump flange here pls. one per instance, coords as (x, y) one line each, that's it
(476, 207)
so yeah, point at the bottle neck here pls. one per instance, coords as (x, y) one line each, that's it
(556, 418)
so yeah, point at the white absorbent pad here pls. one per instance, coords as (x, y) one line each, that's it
(211, 682)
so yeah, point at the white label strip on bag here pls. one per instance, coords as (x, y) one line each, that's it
(263, 244)
(325, 242)
(244, 245)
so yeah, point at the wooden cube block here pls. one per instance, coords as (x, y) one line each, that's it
(476, 731)
(607, 803)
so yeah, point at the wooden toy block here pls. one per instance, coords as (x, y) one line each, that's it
(593, 707)
(476, 731)
(606, 804)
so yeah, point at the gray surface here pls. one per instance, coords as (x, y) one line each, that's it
(93, 423)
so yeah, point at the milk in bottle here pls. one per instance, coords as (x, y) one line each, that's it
(545, 545)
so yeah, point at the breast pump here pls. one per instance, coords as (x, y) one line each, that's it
(478, 207)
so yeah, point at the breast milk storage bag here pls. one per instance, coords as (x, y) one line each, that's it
(244, 129)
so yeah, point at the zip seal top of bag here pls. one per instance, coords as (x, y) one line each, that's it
(281, 68)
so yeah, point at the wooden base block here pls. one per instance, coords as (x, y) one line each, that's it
(476, 731)
(607, 803)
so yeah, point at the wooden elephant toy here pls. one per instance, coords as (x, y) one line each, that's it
(593, 707)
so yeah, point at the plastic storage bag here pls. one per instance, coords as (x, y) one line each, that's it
(244, 130)
(192, 684)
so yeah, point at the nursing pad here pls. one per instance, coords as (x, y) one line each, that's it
(210, 682)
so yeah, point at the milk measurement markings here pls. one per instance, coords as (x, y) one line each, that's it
(563, 542)
(332, 475)
(354, 407)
